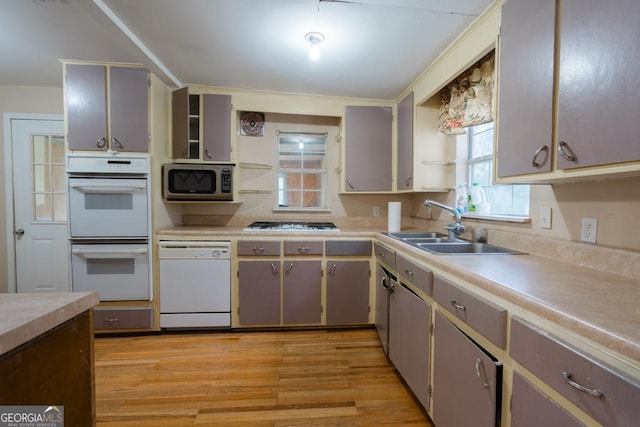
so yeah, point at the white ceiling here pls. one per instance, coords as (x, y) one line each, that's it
(372, 48)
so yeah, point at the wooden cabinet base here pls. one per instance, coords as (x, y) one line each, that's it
(56, 368)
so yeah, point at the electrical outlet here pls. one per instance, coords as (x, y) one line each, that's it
(376, 211)
(545, 217)
(589, 230)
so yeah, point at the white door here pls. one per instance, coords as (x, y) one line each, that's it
(39, 206)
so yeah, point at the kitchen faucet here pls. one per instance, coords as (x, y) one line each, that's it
(455, 229)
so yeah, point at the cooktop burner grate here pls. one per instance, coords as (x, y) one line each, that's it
(291, 226)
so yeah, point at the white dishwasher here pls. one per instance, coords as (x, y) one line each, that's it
(195, 284)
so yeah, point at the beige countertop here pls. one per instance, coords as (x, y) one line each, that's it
(602, 307)
(26, 316)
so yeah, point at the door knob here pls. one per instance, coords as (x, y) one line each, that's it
(19, 232)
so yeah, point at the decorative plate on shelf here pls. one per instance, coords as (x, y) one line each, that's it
(252, 123)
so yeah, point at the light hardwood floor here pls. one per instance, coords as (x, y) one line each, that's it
(282, 378)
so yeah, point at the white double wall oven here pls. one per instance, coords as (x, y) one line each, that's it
(110, 225)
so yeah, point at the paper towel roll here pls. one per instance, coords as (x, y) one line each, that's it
(395, 216)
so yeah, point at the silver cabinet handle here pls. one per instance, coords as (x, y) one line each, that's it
(535, 163)
(19, 232)
(383, 283)
(303, 249)
(456, 305)
(117, 143)
(185, 150)
(288, 270)
(258, 251)
(350, 184)
(565, 151)
(332, 269)
(480, 373)
(592, 391)
(409, 274)
(207, 153)
(274, 269)
(102, 142)
(407, 182)
(381, 254)
(112, 322)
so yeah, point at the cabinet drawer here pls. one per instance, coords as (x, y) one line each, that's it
(302, 247)
(485, 317)
(348, 247)
(416, 274)
(532, 408)
(385, 255)
(258, 247)
(552, 360)
(123, 318)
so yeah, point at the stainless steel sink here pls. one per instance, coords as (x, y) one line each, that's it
(464, 248)
(416, 235)
(438, 243)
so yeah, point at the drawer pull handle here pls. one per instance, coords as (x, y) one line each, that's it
(456, 305)
(480, 373)
(409, 273)
(303, 249)
(258, 251)
(592, 391)
(112, 321)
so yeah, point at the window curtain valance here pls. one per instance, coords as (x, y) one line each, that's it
(468, 99)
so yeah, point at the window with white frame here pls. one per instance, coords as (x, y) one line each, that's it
(302, 170)
(503, 200)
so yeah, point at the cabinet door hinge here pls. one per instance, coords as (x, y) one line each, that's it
(431, 329)
(429, 391)
(149, 82)
(321, 309)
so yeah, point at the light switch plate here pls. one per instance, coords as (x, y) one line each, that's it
(545, 217)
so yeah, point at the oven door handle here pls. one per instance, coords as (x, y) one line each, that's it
(110, 251)
(110, 188)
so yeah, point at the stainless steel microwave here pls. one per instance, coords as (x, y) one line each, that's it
(197, 182)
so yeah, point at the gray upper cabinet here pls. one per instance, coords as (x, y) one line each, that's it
(368, 149)
(201, 126)
(599, 85)
(526, 87)
(107, 108)
(405, 143)
(596, 84)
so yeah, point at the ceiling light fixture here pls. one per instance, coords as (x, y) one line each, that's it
(314, 39)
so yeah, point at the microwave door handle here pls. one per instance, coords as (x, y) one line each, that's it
(110, 251)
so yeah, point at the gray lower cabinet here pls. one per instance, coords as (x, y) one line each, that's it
(302, 287)
(105, 318)
(466, 380)
(259, 292)
(610, 397)
(530, 407)
(347, 291)
(409, 324)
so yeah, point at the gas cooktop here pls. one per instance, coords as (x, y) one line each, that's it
(291, 226)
